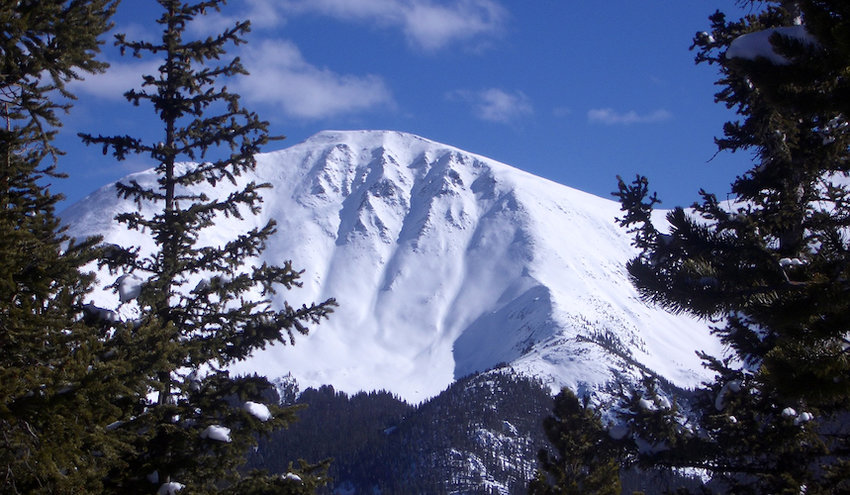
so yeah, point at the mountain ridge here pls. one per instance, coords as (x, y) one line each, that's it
(445, 263)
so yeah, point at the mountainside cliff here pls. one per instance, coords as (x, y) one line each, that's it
(444, 263)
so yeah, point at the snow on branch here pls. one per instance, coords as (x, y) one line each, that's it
(755, 45)
(170, 488)
(217, 433)
(259, 411)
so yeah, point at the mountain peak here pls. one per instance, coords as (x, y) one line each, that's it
(444, 263)
(362, 136)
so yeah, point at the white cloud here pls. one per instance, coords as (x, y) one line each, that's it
(280, 76)
(263, 14)
(428, 24)
(496, 105)
(117, 80)
(609, 116)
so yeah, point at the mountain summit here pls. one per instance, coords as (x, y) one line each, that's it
(444, 263)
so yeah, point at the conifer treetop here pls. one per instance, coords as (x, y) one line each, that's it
(202, 306)
(46, 45)
(770, 266)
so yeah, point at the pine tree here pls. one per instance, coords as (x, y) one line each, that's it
(585, 459)
(53, 384)
(771, 267)
(203, 307)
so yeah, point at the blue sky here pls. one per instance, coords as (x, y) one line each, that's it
(571, 90)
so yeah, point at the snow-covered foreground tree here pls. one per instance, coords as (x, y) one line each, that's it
(771, 268)
(54, 388)
(202, 307)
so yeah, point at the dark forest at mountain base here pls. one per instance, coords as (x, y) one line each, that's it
(480, 436)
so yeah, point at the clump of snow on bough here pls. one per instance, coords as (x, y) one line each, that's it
(755, 45)
(292, 477)
(170, 488)
(259, 411)
(217, 433)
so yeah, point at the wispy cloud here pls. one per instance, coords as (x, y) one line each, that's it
(560, 112)
(281, 77)
(496, 105)
(263, 14)
(117, 80)
(426, 24)
(122, 76)
(609, 116)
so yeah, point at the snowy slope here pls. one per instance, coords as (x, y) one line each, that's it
(444, 263)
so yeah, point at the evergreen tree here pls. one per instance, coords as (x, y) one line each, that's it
(770, 268)
(202, 306)
(53, 384)
(585, 460)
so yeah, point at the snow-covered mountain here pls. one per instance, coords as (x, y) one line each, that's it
(444, 263)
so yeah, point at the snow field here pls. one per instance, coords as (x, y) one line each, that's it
(443, 263)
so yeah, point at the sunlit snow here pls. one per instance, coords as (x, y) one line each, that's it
(292, 477)
(217, 433)
(444, 263)
(170, 488)
(259, 411)
(752, 46)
